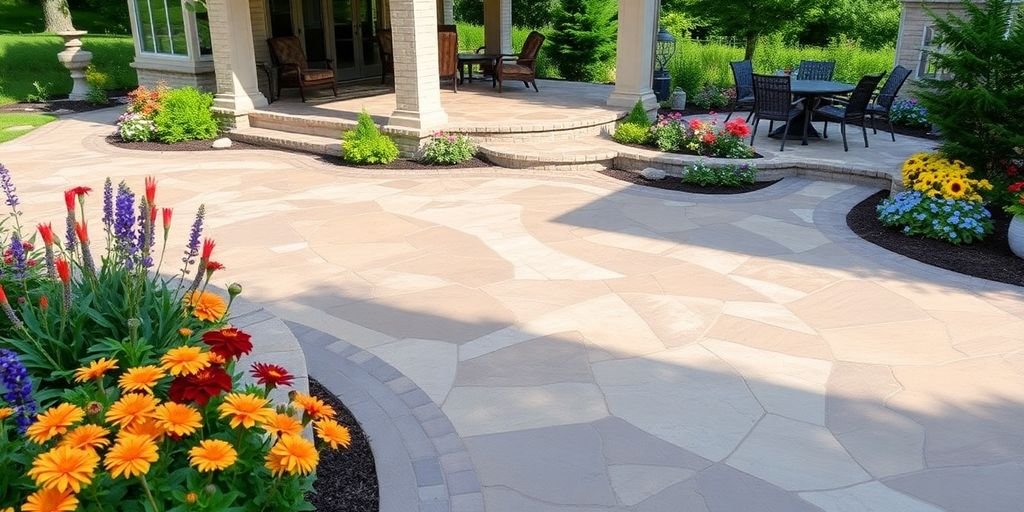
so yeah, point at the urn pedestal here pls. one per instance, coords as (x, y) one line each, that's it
(76, 60)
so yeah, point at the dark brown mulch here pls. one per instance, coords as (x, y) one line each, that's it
(677, 184)
(63, 106)
(346, 480)
(988, 259)
(192, 145)
(407, 164)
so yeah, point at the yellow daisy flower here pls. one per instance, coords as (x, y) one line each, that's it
(95, 370)
(64, 468)
(50, 500)
(178, 419)
(141, 378)
(87, 437)
(292, 454)
(149, 428)
(185, 360)
(206, 306)
(54, 422)
(313, 406)
(245, 410)
(333, 433)
(280, 424)
(132, 455)
(212, 455)
(131, 409)
(6, 412)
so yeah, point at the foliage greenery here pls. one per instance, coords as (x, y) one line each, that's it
(98, 82)
(448, 149)
(185, 115)
(748, 20)
(583, 38)
(632, 133)
(978, 102)
(696, 136)
(638, 115)
(9, 121)
(365, 144)
(909, 112)
(706, 175)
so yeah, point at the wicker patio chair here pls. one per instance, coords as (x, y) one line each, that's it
(854, 109)
(293, 69)
(448, 57)
(743, 76)
(773, 100)
(525, 66)
(815, 70)
(386, 50)
(882, 105)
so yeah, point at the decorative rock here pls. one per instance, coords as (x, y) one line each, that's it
(221, 143)
(653, 174)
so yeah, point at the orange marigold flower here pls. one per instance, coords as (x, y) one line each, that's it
(212, 455)
(333, 433)
(217, 359)
(245, 409)
(280, 424)
(185, 332)
(6, 412)
(95, 369)
(132, 408)
(149, 428)
(141, 378)
(313, 406)
(178, 419)
(206, 306)
(64, 468)
(131, 456)
(191, 498)
(87, 437)
(185, 360)
(50, 500)
(292, 454)
(54, 422)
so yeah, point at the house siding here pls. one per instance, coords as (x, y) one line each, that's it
(916, 18)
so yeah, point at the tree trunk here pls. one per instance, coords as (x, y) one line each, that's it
(751, 45)
(57, 16)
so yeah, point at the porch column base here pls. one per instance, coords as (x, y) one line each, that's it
(422, 121)
(240, 104)
(628, 99)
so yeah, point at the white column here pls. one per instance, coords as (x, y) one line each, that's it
(634, 65)
(498, 26)
(417, 83)
(506, 27)
(234, 59)
(448, 12)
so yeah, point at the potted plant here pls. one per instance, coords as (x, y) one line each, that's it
(1016, 208)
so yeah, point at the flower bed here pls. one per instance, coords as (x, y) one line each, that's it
(674, 134)
(123, 389)
(167, 117)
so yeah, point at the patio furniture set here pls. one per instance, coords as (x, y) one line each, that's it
(811, 94)
(294, 70)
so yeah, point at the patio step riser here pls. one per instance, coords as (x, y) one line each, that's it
(286, 142)
(301, 126)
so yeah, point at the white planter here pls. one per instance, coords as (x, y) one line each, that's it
(1016, 235)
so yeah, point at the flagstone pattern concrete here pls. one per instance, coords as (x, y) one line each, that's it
(589, 345)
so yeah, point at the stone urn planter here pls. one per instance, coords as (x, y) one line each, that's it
(76, 60)
(1016, 235)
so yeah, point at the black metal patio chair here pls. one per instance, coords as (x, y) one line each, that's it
(743, 76)
(853, 109)
(882, 105)
(816, 70)
(773, 100)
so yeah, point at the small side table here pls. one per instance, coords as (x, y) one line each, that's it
(468, 60)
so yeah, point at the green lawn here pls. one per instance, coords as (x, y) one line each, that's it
(24, 123)
(27, 58)
(26, 17)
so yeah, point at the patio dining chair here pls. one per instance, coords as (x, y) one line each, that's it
(773, 100)
(293, 69)
(882, 105)
(743, 75)
(816, 70)
(853, 109)
(524, 67)
(386, 49)
(448, 57)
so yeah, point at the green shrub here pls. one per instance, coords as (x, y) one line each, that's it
(711, 96)
(632, 133)
(98, 82)
(705, 175)
(366, 144)
(448, 149)
(185, 115)
(638, 115)
(583, 38)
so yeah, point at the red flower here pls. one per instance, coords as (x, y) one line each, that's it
(228, 342)
(271, 375)
(201, 386)
(168, 212)
(81, 191)
(69, 200)
(3, 295)
(151, 190)
(1016, 187)
(63, 270)
(208, 246)
(46, 231)
(696, 124)
(214, 265)
(152, 216)
(44, 303)
(738, 127)
(82, 230)
(27, 246)
(709, 138)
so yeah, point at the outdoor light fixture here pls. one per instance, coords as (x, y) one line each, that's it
(664, 49)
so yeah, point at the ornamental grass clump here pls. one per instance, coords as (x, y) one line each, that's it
(448, 149)
(366, 144)
(137, 377)
(942, 201)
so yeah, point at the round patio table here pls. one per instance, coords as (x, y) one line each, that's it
(811, 91)
(467, 60)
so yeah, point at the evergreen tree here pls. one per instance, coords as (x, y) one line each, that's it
(978, 100)
(583, 37)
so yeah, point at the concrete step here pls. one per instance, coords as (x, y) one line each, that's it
(288, 140)
(588, 153)
(330, 127)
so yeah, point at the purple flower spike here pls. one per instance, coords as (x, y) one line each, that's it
(17, 388)
(7, 184)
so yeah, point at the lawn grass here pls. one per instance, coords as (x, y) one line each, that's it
(26, 17)
(11, 120)
(28, 58)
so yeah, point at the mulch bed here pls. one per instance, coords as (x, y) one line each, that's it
(677, 184)
(988, 259)
(406, 164)
(346, 480)
(191, 145)
(62, 106)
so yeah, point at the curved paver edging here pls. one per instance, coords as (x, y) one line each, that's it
(272, 341)
(422, 463)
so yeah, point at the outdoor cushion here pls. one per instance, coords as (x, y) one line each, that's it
(311, 75)
(876, 108)
(508, 70)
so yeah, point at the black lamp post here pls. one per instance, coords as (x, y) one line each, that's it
(664, 49)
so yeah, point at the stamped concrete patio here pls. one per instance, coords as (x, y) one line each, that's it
(596, 346)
